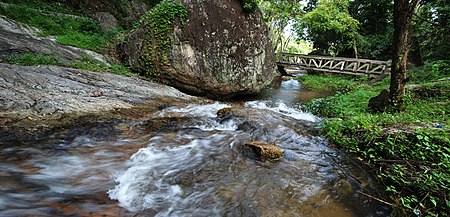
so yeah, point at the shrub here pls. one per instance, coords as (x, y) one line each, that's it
(409, 150)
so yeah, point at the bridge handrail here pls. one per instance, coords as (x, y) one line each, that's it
(332, 58)
(342, 65)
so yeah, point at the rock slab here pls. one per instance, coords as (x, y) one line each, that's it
(31, 90)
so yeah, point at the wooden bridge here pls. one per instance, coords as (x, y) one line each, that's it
(365, 67)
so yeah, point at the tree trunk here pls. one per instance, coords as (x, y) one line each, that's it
(403, 11)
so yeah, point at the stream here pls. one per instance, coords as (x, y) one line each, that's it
(187, 161)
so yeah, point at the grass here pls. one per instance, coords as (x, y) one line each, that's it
(88, 63)
(330, 82)
(29, 59)
(410, 150)
(78, 31)
(45, 6)
(97, 66)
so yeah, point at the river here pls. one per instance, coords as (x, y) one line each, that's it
(186, 161)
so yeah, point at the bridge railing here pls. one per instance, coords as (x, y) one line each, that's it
(366, 67)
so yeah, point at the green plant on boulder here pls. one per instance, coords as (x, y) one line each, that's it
(159, 23)
(249, 5)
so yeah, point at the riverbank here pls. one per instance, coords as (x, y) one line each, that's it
(410, 150)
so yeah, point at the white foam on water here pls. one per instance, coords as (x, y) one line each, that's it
(208, 110)
(146, 183)
(283, 109)
(71, 174)
(228, 125)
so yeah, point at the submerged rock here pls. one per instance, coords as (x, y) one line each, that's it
(343, 188)
(263, 151)
(219, 51)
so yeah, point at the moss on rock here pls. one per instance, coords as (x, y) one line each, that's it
(159, 24)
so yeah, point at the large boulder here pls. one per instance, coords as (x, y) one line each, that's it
(219, 50)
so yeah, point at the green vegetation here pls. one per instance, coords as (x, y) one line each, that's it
(376, 29)
(410, 150)
(29, 59)
(249, 5)
(331, 83)
(71, 30)
(331, 27)
(278, 15)
(299, 47)
(45, 6)
(88, 63)
(363, 27)
(159, 22)
(91, 64)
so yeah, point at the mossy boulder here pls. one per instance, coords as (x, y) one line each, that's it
(263, 151)
(215, 49)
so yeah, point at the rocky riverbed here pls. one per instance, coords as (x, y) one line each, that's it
(38, 98)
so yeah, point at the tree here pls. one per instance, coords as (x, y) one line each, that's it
(430, 30)
(403, 12)
(278, 14)
(376, 27)
(331, 28)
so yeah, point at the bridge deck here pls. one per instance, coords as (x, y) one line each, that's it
(365, 67)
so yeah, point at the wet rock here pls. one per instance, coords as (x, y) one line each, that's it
(263, 151)
(106, 20)
(225, 112)
(17, 38)
(219, 52)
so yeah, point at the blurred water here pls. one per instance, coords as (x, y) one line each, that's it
(188, 162)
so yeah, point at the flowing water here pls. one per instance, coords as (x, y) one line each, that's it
(186, 161)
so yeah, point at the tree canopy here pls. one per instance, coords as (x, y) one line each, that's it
(279, 14)
(362, 28)
(330, 27)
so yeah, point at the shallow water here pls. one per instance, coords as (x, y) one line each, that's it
(188, 162)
